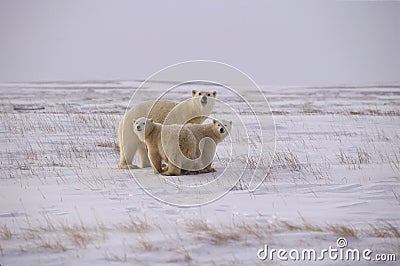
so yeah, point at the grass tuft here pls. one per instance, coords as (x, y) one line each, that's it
(5, 232)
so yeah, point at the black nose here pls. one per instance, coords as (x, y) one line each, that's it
(221, 130)
(204, 99)
(138, 127)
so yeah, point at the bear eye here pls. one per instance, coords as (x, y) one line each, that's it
(208, 94)
(199, 93)
(219, 125)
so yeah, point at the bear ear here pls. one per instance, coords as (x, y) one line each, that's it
(230, 122)
(134, 121)
(215, 121)
(151, 120)
(194, 92)
(214, 93)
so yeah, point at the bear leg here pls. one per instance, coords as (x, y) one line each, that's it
(126, 157)
(155, 160)
(172, 170)
(128, 145)
(144, 157)
(210, 169)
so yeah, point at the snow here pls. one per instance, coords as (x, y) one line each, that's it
(63, 200)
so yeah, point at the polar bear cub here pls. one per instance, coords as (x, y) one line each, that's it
(150, 133)
(194, 110)
(207, 137)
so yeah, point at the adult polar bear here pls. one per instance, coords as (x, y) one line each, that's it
(194, 110)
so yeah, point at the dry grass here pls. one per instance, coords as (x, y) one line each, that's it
(223, 234)
(198, 225)
(287, 160)
(146, 245)
(388, 230)
(55, 245)
(342, 230)
(113, 257)
(307, 110)
(378, 232)
(44, 142)
(108, 144)
(356, 159)
(61, 236)
(217, 235)
(136, 225)
(394, 160)
(301, 159)
(393, 231)
(186, 256)
(5, 232)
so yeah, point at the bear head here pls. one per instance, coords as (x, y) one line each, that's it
(142, 127)
(222, 128)
(204, 99)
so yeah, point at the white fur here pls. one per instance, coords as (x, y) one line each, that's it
(130, 143)
(170, 150)
(207, 145)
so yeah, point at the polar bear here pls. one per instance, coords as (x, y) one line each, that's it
(194, 110)
(149, 132)
(207, 137)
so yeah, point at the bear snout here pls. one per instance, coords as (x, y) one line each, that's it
(204, 99)
(221, 130)
(138, 128)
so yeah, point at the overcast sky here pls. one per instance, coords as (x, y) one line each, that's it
(276, 43)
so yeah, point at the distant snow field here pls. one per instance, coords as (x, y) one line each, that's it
(63, 200)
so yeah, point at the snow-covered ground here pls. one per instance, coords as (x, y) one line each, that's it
(335, 173)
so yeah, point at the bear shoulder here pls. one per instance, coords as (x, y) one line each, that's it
(156, 110)
(201, 131)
